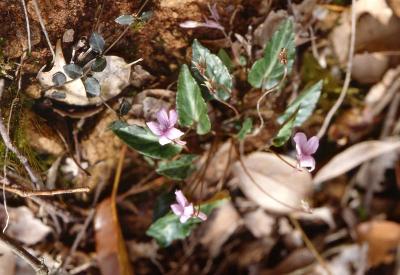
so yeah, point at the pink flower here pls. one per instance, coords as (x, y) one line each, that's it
(212, 23)
(185, 210)
(305, 148)
(164, 127)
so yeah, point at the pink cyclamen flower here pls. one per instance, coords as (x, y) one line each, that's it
(305, 148)
(164, 128)
(185, 210)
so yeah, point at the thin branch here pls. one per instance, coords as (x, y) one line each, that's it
(310, 245)
(37, 10)
(32, 193)
(346, 83)
(37, 265)
(28, 29)
(7, 142)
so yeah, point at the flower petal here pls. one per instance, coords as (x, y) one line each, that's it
(202, 216)
(154, 128)
(163, 120)
(301, 140)
(173, 133)
(173, 117)
(189, 210)
(312, 145)
(184, 219)
(180, 198)
(177, 209)
(190, 24)
(307, 162)
(164, 140)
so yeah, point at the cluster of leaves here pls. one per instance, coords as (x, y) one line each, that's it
(88, 58)
(209, 78)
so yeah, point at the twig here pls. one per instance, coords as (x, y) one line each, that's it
(28, 29)
(7, 142)
(37, 265)
(31, 193)
(37, 10)
(347, 79)
(310, 245)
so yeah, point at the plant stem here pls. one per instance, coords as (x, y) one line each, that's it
(37, 265)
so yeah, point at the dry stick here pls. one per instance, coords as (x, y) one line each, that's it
(310, 245)
(37, 10)
(32, 193)
(37, 265)
(28, 29)
(7, 142)
(247, 172)
(346, 83)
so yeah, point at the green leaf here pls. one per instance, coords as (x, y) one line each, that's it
(126, 19)
(177, 169)
(144, 141)
(73, 71)
(215, 70)
(305, 103)
(92, 86)
(168, 228)
(284, 133)
(269, 70)
(246, 129)
(190, 105)
(96, 42)
(99, 64)
(223, 55)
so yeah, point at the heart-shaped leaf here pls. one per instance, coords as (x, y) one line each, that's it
(190, 105)
(126, 19)
(143, 141)
(59, 78)
(99, 64)
(215, 70)
(269, 70)
(246, 129)
(96, 42)
(305, 103)
(168, 228)
(177, 169)
(92, 86)
(73, 71)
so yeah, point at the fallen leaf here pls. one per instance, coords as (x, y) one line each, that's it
(382, 237)
(7, 260)
(354, 156)
(278, 187)
(111, 252)
(259, 223)
(23, 226)
(224, 223)
(369, 67)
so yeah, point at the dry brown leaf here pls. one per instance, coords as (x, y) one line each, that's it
(220, 228)
(369, 67)
(111, 252)
(377, 29)
(23, 226)
(354, 156)
(259, 223)
(382, 237)
(7, 260)
(279, 187)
